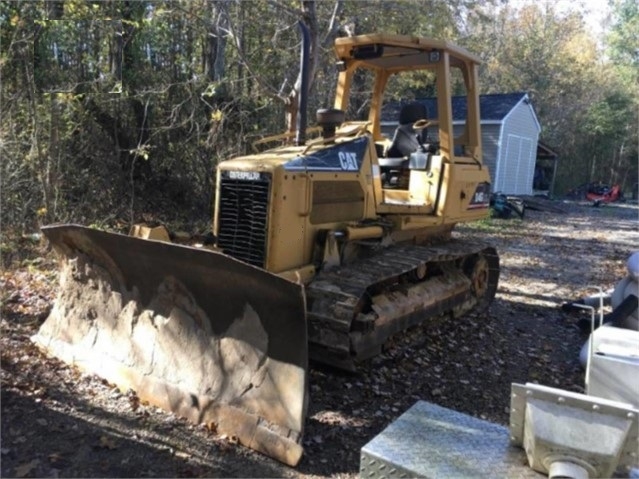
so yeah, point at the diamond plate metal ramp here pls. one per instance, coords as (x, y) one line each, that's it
(434, 442)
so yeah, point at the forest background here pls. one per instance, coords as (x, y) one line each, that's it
(114, 112)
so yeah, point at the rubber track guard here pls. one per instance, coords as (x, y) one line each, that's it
(192, 331)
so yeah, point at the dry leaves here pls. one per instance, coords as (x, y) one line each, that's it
(467, 365)
(23, 470)
(107, 442)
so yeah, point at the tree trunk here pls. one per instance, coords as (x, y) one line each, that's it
(215, 61)
(115, 52)
(242, 89)
(222, 24)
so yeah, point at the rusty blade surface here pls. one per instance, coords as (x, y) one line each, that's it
(192, 331)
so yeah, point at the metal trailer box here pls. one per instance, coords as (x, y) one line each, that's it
(613, 369)
(434, 442)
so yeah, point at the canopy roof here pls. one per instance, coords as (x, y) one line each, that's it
(396, 52)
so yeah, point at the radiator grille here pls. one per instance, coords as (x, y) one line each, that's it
(243, 218)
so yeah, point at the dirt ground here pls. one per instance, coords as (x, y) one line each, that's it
(57, 422)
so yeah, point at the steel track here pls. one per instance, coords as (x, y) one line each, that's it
(354, 309)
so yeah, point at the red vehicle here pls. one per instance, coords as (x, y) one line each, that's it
(600, 193)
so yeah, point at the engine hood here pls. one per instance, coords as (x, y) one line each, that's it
(345, 155)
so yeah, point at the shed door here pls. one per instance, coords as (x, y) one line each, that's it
(518, 166)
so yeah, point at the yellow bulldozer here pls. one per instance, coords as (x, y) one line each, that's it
(323, 249)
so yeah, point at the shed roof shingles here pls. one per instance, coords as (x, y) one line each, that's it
(492, 107)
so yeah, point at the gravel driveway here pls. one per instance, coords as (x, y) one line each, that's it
(59, 423)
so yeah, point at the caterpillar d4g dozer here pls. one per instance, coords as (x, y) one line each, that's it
(323, 248)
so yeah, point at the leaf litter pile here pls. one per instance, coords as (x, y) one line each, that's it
(57, 422)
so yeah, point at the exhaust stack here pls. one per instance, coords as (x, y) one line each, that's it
(300, 137)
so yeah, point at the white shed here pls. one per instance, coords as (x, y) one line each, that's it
(510, 133)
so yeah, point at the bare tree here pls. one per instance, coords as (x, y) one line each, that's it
(307, 13)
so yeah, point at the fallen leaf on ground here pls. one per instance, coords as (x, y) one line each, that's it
(24, 469)
(107, 442)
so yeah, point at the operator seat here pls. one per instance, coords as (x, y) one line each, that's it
(406, 139)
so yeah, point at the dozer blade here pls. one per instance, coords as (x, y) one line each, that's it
(189, 330)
